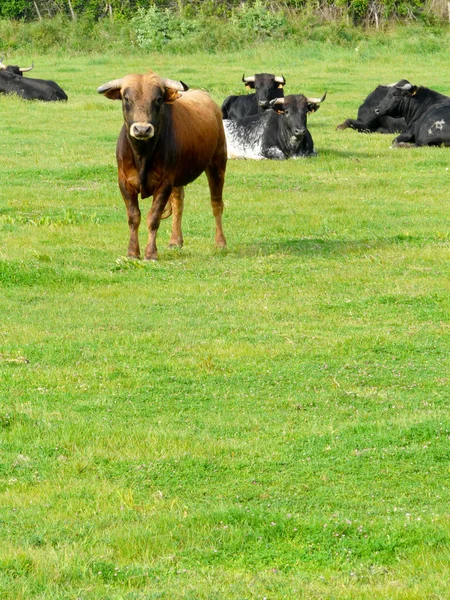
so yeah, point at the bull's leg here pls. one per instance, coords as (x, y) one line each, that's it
(160, 198)
(216, 179)
(361, 126)
(404, 139)
(177, 200)
(130, 197)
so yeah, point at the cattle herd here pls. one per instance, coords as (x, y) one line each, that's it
(172, 134)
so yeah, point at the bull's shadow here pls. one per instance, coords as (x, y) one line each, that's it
(322, 247)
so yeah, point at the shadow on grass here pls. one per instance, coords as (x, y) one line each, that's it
(325, 247)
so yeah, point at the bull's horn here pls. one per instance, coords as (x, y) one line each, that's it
(403, 84)
(316, 100)
(250, 79)
(115, 84)
(180, 86)
(2, 66)
(276, 101)
(281, 80)
(406, 86)
(25, 69)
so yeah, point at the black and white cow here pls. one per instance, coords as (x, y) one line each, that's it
(13, 82)
(267, 87)
(277, 134)
(369, 122)
(427, 114)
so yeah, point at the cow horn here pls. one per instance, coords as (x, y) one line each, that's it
(277, 101)
(25, 69)
(406, 86)
(115, 84)
(316, 100)
(250, 79)
(281, 80)
(180, 86)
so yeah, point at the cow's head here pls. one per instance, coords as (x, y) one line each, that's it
(14, 69)
(143, 100)
(295, 109)
(267, 87)
(393, 103)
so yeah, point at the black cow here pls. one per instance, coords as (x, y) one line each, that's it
(271, 134)
(369, 122)
(12, 82)
(427, 114)
(267, 87)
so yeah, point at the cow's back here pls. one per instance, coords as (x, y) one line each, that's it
(197, 132)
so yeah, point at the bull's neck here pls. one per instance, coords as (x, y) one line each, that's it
(418, 104)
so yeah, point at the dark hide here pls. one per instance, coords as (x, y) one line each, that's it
(28, 88)
(273, 135)
(266, 89)
(427, 114)
(369, 122)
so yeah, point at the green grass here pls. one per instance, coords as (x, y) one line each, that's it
(270, 421)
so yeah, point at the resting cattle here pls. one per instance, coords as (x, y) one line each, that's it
(169, 137)
(369, 122)
(267, 87)
(12, 82)
(276, 134)
(427, 114)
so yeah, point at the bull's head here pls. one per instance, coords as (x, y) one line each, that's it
(295, 109)
(143, 99)
(393, 103)
(14, 69)
(267, 87)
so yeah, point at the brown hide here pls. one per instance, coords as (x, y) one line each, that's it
(168, 139)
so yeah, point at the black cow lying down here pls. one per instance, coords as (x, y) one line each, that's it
(13, 82)
(369, 122)
(427, 114)
(277, 134)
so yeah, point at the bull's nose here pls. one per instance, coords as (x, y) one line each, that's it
(299, 131)
(263, 103)
(142, 131)
(377, 111)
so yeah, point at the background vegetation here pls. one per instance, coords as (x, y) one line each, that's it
(266, 422)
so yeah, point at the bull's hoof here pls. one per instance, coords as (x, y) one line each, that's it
(342, 126)
(175, 244)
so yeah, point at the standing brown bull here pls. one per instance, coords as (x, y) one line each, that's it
(168, 139)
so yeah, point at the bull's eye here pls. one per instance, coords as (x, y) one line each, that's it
(158, 101)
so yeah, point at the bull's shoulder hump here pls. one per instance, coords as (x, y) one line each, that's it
(194, 97)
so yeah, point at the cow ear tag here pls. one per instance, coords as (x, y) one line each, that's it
(414, 92)
(280, 86)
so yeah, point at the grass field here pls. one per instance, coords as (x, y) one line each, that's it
(270, 421)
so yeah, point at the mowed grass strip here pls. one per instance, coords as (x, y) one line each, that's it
(266, 421)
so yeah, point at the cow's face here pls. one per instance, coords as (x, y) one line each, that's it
(295, 109)
(267, 87)
(393, 103)
(143, 100)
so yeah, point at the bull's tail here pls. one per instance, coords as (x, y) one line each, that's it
(167, 211)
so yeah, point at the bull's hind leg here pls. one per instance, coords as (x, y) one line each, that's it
(160, 198)
(177, 202)
(216, 178)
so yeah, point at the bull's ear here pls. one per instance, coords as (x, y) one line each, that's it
(111, 89)
(313, 107)
(170, 95)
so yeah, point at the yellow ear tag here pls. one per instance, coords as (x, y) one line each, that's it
(414, 93)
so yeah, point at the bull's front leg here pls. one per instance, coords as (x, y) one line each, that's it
(177, 201)
(160, 198)
(130, 197)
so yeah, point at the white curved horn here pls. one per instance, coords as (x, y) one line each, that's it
(180, 86)
(25, 69)
(316, 100)
(115, 84)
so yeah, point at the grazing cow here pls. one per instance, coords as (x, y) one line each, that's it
(168, 139)
(427, 114)
(276, 134)
(368, 122)
(12, 82)
(267, 87)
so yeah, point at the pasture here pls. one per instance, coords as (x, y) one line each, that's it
(269, 421)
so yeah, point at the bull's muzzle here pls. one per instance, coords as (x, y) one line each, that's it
(142, 131)
(299, 132)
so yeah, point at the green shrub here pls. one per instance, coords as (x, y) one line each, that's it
(259, 19)
(154, 28)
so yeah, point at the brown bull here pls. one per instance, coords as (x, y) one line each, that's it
(170, 136)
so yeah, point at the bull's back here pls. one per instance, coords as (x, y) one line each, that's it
(198, 134)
